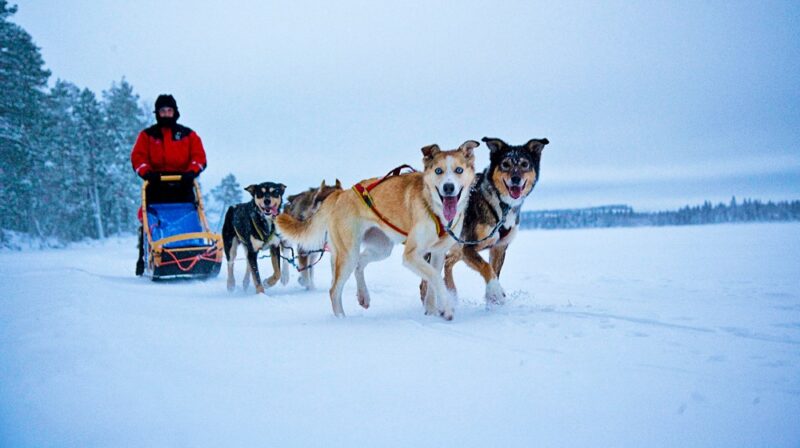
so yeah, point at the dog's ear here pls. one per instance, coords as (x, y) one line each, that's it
(428, 152)
(536, 145)
(283, 187)
(467, 148)
(338, 184)
(494, 144)
(322, 185)
(251, 189)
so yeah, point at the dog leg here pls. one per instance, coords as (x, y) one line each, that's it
(414, 260)
(248, 274)
(494, 292)
(423, 285)
(310, 261)
(344, 259)
(252, 263)
(302, 263)
(453, 257)
(285, 276)
(231, 258)
(377, 246)
(429, 300)
(497, 256)
(275, 257)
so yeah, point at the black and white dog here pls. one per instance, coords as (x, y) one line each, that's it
(250, 224)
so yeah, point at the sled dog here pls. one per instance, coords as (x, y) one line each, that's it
(492, 214)
(251, 225)
(412, 208)
(302, 206)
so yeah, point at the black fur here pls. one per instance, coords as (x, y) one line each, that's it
(487, 207)
(479, 209)
(246, 222)
(179, 131)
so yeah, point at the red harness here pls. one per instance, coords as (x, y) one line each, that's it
(363, 193)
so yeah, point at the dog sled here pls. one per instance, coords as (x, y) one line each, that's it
(176, 240)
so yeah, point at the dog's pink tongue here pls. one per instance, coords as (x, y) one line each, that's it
(273, 211)
(516, 192)
(449, 205)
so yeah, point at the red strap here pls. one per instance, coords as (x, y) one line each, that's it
(364, 194)
(207, 255)
(392, 173)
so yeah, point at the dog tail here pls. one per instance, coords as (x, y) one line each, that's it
(309, 233)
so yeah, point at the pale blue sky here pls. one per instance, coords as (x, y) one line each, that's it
(653, 104)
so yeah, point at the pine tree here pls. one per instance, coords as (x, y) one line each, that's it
(23, 80)
(227, 193)
(124, 118)
(59, 160)
(95, 148)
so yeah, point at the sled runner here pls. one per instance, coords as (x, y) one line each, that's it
(177, 241)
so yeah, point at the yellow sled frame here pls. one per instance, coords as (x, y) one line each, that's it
(157, 247)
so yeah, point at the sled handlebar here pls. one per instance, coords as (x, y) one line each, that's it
(170, 177)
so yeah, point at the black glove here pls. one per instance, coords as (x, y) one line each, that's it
(152, 177)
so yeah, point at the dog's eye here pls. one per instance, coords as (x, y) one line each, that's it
(524, 164)
(459, 170)
(439, 171)
(506, 165)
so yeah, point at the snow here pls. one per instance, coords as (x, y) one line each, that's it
(672, 336)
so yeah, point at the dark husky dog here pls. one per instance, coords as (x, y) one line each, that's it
(250, 224)
(302, 206)
(497, 196)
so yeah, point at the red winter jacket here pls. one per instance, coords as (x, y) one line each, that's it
(177, 150)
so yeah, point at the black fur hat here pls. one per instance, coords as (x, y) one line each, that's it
(165, 100)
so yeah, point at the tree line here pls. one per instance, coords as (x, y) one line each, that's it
(65, 160)
(624, 216)
(65, 171)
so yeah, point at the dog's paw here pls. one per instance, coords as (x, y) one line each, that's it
(363, 299)
(270, 282)
(259, 289)
(494, 293)
(231, 285)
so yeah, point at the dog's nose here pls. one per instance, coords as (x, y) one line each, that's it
(516, 180)
(448, 189)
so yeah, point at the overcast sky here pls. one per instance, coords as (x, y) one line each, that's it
(652, 104)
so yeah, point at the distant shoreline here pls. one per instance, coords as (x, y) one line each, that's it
(748, 210)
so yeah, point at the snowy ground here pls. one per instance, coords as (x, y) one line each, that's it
(678, 336)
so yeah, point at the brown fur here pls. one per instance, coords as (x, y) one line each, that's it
(407, 201)
(302, 206)
(510, 165)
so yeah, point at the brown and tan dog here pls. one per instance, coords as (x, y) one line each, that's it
(302, 206)
(416, 204)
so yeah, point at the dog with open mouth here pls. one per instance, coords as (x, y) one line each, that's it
(412, 208)
(250, 224)
(492, 216)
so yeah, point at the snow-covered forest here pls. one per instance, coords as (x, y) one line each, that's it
(64, 166)
(65, 171)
